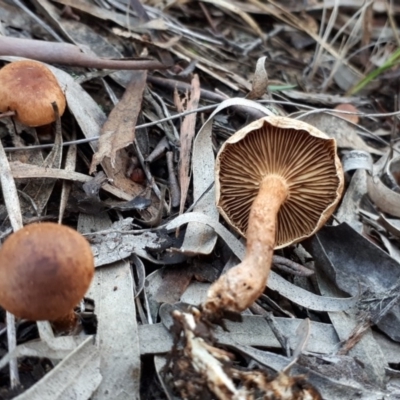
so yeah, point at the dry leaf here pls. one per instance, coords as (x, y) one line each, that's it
(117, 342)
(118, 131)
(259, 85)
(337, 128)
(186, 138)
(76, 377)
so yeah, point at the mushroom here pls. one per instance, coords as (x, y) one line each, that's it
(45, 270)
(29, 88)
(278, 180)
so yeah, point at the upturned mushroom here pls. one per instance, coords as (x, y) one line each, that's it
(278, 180)
(45, 270)
(29, 88)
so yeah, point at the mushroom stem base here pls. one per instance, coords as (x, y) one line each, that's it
(242, 285)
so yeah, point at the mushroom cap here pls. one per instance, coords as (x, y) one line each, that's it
(45, 270)
(28, 88)
(303, 156)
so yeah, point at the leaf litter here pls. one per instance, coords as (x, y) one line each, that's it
(333, 330)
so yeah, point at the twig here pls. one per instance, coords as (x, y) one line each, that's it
(159, 150)
(173, 182)
(159, 108)
(204, 94)
(292, 267)
(147, 172)
(208, 17)
(68, 54)
(43, 24)
(277, 331)
(355, 336)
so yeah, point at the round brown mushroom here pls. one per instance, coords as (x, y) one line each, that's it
(278, 180)
(29, 88)
(45, 270)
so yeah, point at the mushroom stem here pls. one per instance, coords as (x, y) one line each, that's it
(242, 285)
(65, 324)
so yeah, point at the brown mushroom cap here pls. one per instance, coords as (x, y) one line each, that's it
(28, 88)
(305, 159)
(45, 270)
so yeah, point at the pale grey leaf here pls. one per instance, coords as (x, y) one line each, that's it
(74, 378)
(275, 281)
(117, 341)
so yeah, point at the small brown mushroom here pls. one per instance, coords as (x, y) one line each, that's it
(278, 180)
(349, 108)
(29, 88)
(45, 270)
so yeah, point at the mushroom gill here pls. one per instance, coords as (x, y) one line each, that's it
(301, 160)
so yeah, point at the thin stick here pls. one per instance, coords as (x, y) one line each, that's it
(291, 266)
(159, 150)
(211, 107)
(7, 114)
(68, 54)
